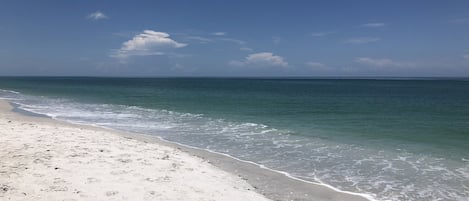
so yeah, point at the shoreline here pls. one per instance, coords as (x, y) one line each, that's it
(275, 185)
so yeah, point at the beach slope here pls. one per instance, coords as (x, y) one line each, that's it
(44, 159)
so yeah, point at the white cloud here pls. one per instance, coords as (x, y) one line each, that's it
(219, 33)
(374, 24)
(200, 39)
(239, 42)
(147, 43)
(261, 59)
(362, 40)
(321, 34)
(98, 15)
(383, 62)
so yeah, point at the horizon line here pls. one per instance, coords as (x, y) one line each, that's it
(250, 77)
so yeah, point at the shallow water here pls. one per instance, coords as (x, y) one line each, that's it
(392, 139)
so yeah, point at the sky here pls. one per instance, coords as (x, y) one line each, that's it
(420, 38)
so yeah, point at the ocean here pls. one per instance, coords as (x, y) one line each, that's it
(392, 139)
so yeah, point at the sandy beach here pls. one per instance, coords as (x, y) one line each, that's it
(46, 159)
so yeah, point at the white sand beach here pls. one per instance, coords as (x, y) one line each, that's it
(44, 159)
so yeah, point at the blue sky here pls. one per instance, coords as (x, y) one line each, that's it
(235, 38)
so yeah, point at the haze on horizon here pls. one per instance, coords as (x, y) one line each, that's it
(234, 38)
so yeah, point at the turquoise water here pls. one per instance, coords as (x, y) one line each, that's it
(392, 139)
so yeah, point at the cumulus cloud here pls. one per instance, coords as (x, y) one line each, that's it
(382, 62)
(362, 40)
(374, 25)
(147, 43)
(98, 15)
(261, 59)
(219, 33)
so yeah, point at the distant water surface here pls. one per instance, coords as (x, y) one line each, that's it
(399, 139)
